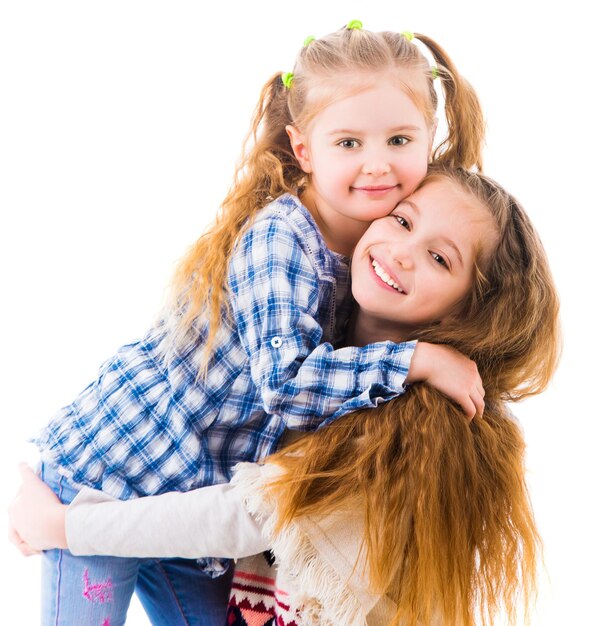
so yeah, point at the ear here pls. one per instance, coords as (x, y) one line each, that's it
(299, 147)
(432, 137)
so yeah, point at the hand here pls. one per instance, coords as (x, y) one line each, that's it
(450, 372)
(36, 516)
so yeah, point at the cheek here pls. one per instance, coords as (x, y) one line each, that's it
(466, 289)
(437, 289)
(358, 286)
(329, 168)
(414, 172)
(357, 265)
(441, 295)
(455, 295)
(326, 175)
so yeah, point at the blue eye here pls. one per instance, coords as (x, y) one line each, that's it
(402, 221)
(349, 143)
(399, 140)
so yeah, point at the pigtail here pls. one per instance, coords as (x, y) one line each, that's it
(466, 127)
(266, 157)
(266, 170)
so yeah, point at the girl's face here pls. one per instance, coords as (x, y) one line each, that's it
(364, 153)
(414, 266)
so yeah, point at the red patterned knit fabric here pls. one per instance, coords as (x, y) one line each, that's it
(256, 598)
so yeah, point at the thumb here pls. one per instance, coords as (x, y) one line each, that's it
(26, 472)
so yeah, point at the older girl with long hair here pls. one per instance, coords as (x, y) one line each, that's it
(404, 514)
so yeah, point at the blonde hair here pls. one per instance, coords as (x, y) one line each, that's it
(268, 167)
(449, 528)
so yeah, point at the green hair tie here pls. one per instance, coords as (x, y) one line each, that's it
(308, 40)
(434, 72)
(354, 25)
(408, 35)
(287, 78)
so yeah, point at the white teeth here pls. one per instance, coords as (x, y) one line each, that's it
(382, 274)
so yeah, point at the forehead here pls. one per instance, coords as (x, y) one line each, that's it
(443, 195)
(454, 212)
(356, 99)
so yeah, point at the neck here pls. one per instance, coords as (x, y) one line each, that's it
(340, 233)
(365, 329)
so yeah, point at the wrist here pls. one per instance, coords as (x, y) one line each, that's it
(58, 527)
(419, 364)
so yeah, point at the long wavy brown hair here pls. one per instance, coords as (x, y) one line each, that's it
(328, 68)
(449, 529)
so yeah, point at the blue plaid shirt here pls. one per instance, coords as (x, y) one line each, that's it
(148, 424)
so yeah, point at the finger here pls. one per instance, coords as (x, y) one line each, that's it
(469, 408)
(478, 401)
(26, 550)
(13, 537)
(16, 540)
(20, 544)
(27, 473)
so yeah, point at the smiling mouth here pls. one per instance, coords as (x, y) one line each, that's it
(382, 274)
(375, 190)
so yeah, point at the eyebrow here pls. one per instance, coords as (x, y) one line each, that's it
(396, 129)
(446, 240)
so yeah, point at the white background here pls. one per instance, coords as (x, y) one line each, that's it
(120, 123)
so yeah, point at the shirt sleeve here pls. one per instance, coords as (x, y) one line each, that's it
(276, 302)
(210, 521)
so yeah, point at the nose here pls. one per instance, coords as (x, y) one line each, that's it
(376, 164)
(403, 254)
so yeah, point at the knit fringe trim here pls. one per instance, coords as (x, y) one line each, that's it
(320, 597)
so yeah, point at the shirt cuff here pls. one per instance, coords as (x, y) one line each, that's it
(397, 364)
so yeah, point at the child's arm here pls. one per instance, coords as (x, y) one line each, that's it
(277, 297)
(450, 372)
(211, 521)
(36, 517)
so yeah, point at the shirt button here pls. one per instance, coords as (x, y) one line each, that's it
(276, 342)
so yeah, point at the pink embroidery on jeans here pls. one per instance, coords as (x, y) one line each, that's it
(106, 622)
(97, 592)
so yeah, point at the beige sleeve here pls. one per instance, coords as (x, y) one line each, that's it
(211, 521)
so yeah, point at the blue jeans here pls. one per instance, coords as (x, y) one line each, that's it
(96, 590)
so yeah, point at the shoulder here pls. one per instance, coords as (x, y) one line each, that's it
(284, 232)
(287, 216)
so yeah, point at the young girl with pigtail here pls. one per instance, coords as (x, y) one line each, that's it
(403, 514)
(249, 345)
